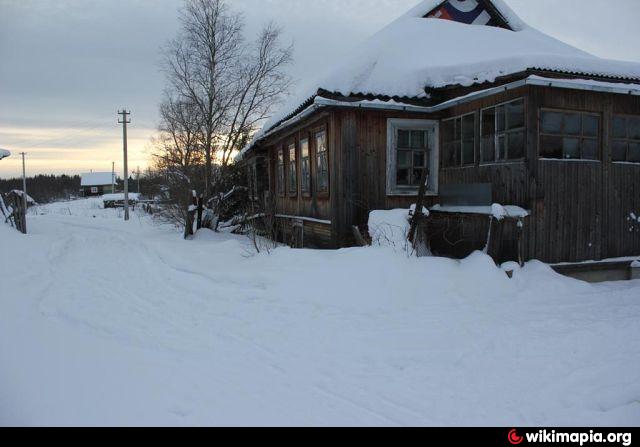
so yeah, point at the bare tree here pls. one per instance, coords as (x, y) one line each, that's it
(232, 84)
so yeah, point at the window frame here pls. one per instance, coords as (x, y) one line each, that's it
(280, 175)
(598, 138)
(626, 140)
(432, 155)
(496, 135)
(322, 193)
(292, 168)
(305, 179)
(460, 141)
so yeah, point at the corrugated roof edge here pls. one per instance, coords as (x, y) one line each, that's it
(311, 102)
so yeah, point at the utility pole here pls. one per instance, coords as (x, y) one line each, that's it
(24, 191)
(124, 121)
(113, 177)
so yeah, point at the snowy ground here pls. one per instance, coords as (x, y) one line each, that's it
(104, 323)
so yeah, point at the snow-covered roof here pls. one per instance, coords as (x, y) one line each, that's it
(415, 53)
(22, 194)
(4, 153)
(97, 178)
(120, 197)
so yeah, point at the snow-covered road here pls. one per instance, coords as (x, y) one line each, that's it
(107, 323)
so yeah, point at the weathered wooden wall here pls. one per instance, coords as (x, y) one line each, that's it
(580, 210)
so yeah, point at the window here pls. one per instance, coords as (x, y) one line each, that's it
(322, 163)
(410, 155)
(459, 141)
(252, 177)
(626, 139)
(280, 172)
(569, 135)
(502, 132)
(305, 166)
(94, 190)
(411, 161)
(293, 170)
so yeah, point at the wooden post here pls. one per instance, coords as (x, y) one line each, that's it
(200, 209)
(417, 214)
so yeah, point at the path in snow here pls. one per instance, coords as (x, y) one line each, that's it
(103, 322)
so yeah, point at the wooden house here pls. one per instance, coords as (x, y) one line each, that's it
(494, 110)
(97, 183)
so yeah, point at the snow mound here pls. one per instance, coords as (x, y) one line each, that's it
(389, 228)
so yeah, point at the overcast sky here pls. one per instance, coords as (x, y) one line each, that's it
(67, 66)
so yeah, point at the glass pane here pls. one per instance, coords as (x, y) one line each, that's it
(468, 152)
(448, 129)
(619, 151)
(570, 148)
(488, 122)
(619, 127)
(304, 148)
(502, 148)
(634, 152)
(404, 159)
(551, 122)
(468, 127)
(292, 153)
(450, 154)
(402, 177)
(280, 157)
(515, 114)
(417, 176)
(500, 112)
(590, 149)
(457, 130)
(404, 138)
(590, 125)
(572, 124)
(417, 139)
(551, 147)
(516, 145)
(419, 159)
(487, 149)
(633, 125)
(321, 142)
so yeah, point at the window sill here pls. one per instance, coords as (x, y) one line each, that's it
(451, 168)
(503, 162)
(632, 163)
(571, 160)
(410, 194)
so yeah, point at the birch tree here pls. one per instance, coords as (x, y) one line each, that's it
(233, 83)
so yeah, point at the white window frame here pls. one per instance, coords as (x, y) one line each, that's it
(432, 126)
(94, 190)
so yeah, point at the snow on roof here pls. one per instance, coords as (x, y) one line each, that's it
(4, 153)
(22, 194)
(414, 53)
(97, 178)
(120, 197)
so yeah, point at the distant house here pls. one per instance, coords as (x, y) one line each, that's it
(97, 183)
(492, 109)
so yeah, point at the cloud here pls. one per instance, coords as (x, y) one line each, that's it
(67, 66)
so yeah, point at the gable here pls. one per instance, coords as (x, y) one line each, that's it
(469, 12)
